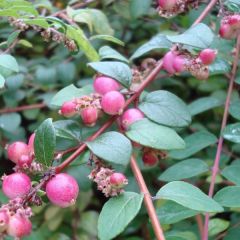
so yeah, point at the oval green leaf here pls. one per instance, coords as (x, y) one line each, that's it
(232, 132)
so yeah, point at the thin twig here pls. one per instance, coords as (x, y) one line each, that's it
(220, 141)
(23, 108)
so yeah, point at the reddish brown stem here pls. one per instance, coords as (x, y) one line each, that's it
(220, 141)
(22, 108)
(199, 221)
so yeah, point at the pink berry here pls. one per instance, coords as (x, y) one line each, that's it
(25, 161)
(167, 4)
(16, 150)
(113, 103)
(19, 226)
(4, 219)
(103, 85)
(179, 63)
(31, 143)
(207, 56)
(168, 62)
(226, 31)
(150, 158)
(89, 116)
(130, 116)
(118, 180)
(68, 109)
(234, 21)
(16, 185)
(62, 190)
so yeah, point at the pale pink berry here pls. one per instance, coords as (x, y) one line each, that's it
(150, 158)
(179, 63)
(31, 142)
(89, 116)
(113, 103)
(226, 31)
(62, 190)
(19, 226)
(201, 74)
(4, 219)
(207, 56)
(25, 161)
(234, 21)
(167, 4)
(16, 185)
(16, 150)
(68, 109)
(118, 180)
(130, 116)
(103, 85)
(168, 60)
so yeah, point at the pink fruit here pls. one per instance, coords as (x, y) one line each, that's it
(167, 4)
(31, 142)
(19, 226)
(16, 150)
(150, 158)
(168, 62)
(16, 185)
(25, 161)
(179, 63)
(68, 109)
(4, 219)
(130, 116)
(226, 31)
(207, 56)
(103, 85)
(89, 116)
(113, 103)
(118, 180)
(234, 21)
(62, 190)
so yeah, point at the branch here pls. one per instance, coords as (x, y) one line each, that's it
(22, 108)
(220, 141)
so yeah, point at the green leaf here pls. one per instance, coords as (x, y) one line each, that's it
(107, 52)
(203, 104)
(188, 196)
(10, 121)
(229, 196)
(112, 147)
(25, 43)
(217, 225)
(40, 22)
(66, 72)
(108, 38)
(2, 81)
(165, 108)
(220, 66)
(139, 8)
(171, 212)
(189, 168)
(194, 143)
(150, 134)
(83, 43)
(45, 143)
(9, 62)
(232, 173)
(70, 92)
(234, 109)
(232, 132)
(158, 42)
(12, 37)
(198, 36)
(117, 70)
(117, 213)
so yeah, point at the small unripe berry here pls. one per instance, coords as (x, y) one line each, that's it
(89, 116)
(16, 185)
(31, 143)
(62, 190)
(4, 219)
(118, 180)
(201, 74)
(19, 226)
(207, 56)
(16, 150)
(167, 4)
(103, 85)
(150, 158)
(25, 161)
(130, 116)
(68, 109)
(168, 62)
(179, 63)
(113, 103)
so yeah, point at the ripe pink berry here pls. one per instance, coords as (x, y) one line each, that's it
(179, 63)
(167, 4)
(31, 143)
(16, 185)
(89, 116)
(207, 56)
(16, 150)
(103, 85)
(234, 21)
(168, 60)
(118, 180)
(113, 103)
(19, 226)
(130, 116)
(25, 161)
(68, 109)
(226, 31)
(62, 190)
(150, 158)
(4, 219)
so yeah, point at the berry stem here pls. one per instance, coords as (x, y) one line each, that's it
(215, 168)
(22, 108)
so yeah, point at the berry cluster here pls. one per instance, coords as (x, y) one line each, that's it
(179, 61)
